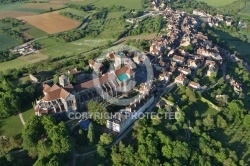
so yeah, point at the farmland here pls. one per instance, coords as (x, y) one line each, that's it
(7, 42)
(217, 3)
(26, 9)
(51, 22)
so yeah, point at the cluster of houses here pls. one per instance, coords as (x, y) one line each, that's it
(25, 49)
(171, 54)
(213, 20)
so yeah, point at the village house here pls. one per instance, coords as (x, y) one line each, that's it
(185, 71)
(179, 59)
(194, 63)
(181, 79)
(121, 120)
(165, 76)
(199, 13)
(194, 85)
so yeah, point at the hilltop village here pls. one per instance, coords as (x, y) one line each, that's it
(181, 56)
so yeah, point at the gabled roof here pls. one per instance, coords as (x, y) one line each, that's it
(56, 94)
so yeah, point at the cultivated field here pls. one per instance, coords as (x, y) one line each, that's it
(217, 3)
(28, 9)
(7, 42)
(51, 22)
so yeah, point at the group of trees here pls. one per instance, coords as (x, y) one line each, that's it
(82, 7)
(149, 25)
(7, 56)
(11, 22)
(101, 14)
(47, 141)
(69, 36)
(140, 44)
(11, 97)
(13, 33)
(73, 16)
(133, 14)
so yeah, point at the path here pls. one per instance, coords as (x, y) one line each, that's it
(21, 118)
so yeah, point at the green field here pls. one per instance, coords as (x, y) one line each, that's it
(7, 42)
(56, 49)
(130, 4)
(31, 30)
(217, 3)
(239, 45)
(11, 126)
(245, 13)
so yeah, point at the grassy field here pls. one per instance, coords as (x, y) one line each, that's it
(217, 3)
(245, 13)
(16, 63)
(237, 43)
(55, 49)
(130, 4)
(7, 42)
(11, 126)
(26, 9)
(32, 31)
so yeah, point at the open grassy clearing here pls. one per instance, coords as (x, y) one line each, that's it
(16, 63)
(11, 126)
(7, 42)
(32, 31)
(130, 4)
(33, 58)
(43, 6)
(51, 22)
(245, 13)
(116, 14)
(240, 46)
(56, 49)
(143, 37)
(217, 3)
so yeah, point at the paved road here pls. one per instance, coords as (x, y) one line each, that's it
(21, 118)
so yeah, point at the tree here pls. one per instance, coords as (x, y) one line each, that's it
(91, 133)
(246, 121)
(105, 139)
(101, 151)
(95, 109)
(220, 122)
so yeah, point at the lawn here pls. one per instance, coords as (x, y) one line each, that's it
(7, 42)
(130, 4)
(56, 49)
(11, 126)
(28, 114)
(16, 63)
(217, 3)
